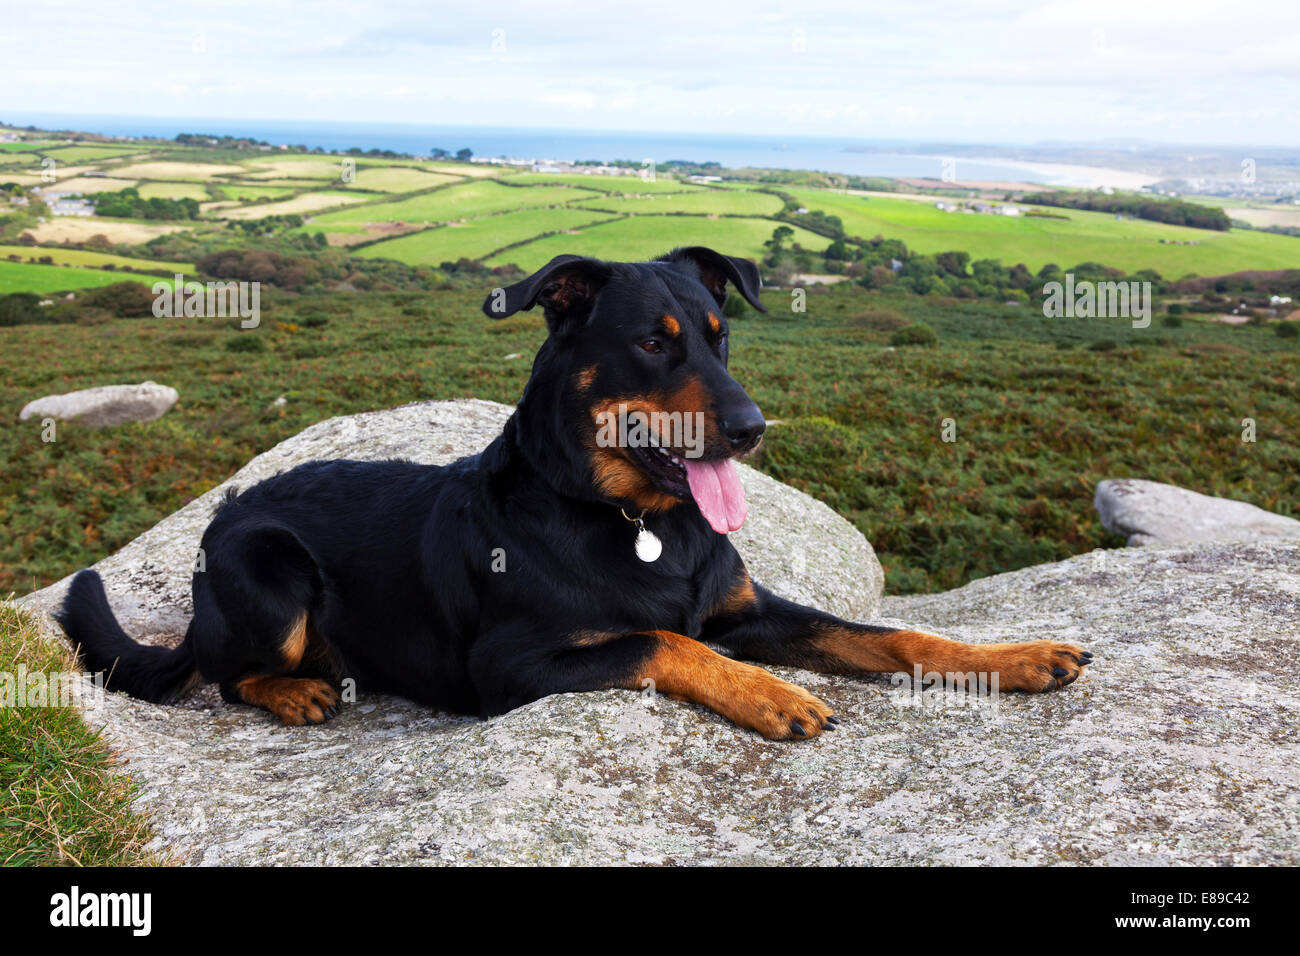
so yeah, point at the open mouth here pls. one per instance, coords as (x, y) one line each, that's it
(665, 468)
(714, 485)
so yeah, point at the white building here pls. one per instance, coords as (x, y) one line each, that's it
(69, 204)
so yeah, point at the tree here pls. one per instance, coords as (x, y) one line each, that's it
(437, 153)
(988, 271)
(839, 249)
(953, 263)
(464, 155)
(776, 245)
(1021, 277)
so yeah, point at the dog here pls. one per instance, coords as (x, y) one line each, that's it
(560, 559)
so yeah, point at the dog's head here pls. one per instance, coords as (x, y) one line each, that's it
(632, 382)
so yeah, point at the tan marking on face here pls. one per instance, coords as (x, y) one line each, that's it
(584, 378)
(714, 323)
(672, 326)
(616, 477)
(614, 473)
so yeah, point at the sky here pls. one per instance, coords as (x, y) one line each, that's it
(1004, 72)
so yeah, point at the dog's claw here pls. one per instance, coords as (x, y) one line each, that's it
(798, 729)
(1059, 672)
(832, 719)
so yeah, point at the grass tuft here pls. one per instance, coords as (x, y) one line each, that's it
(64, 800)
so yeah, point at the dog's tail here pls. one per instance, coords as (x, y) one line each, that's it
(157, 674)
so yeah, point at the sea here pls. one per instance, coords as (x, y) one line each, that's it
(837, 155)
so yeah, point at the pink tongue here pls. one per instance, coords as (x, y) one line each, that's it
(716, 488)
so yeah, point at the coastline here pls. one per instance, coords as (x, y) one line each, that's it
(1087, 177)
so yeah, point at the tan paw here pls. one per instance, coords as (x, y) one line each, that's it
(777, 709)
(1035, 666)
(295, 700)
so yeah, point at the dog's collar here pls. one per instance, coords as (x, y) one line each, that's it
(648, 546)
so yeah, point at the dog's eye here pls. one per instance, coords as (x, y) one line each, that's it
(652, 346)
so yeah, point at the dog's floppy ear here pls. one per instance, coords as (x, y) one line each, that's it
(716, 270)
(566, 287)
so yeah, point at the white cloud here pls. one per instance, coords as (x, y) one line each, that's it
(1179, 69)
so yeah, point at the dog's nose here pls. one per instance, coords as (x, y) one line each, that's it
(744, 427)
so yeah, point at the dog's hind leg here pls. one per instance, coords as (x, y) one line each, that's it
(252, 629)
(283, 686)
(295, 700)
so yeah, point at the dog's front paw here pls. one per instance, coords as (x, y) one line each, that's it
(777, 709)
(1036, 666)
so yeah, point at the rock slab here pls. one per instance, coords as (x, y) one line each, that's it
(106, 405)
(1179, 747)
(1149, 512)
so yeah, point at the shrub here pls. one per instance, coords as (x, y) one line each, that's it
(245, 343)
(881, 320)
(735, 307)
(19, 308)
(130, 299)
(918, 334)
(1287, 330)
(1172, 321)
(1103, 345)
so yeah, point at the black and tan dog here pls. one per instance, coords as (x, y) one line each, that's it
(556, 560)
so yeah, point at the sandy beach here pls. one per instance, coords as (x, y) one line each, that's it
(1091, 177)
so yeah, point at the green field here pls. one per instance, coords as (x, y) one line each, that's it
(478, 237)
(466, 200)
(619, 185)
(85, 154)
(89, 258)
(24, 277)
(247, 191)
(643, 237)
(1129, 244)
(699, 203)
(510, 216)
(23, 147)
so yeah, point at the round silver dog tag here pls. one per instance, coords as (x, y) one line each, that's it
(648, 547)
